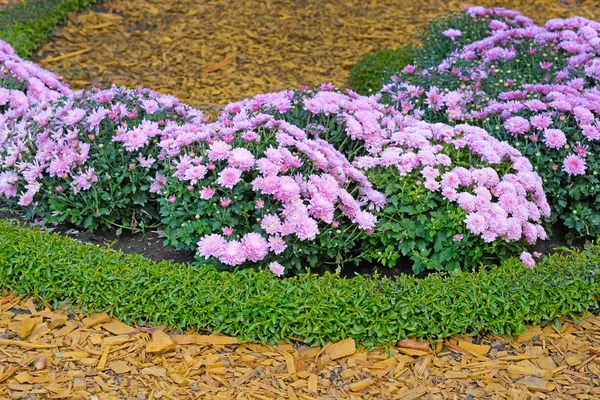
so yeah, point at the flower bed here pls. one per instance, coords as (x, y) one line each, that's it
(291, 179)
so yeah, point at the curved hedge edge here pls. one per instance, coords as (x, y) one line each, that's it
(26, 25)
(257, 306)
(374, 70)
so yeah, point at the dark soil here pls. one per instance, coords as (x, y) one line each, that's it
(150, 245)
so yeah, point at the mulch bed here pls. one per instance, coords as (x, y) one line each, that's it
(214, 52)
(46, 353)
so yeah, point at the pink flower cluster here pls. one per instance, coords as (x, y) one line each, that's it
(36, 84)
(57, 139)
(535, 110)
(305, 181)
(506, 207)
(499, 207)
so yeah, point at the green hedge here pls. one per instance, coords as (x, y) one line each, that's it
(369, 74)
(27, 24)
(260, 307)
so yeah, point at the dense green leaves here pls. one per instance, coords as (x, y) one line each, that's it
(373, 70)
(257, 306)
(26, 24)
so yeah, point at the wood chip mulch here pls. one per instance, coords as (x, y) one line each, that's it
(209, 53)
(53, 354)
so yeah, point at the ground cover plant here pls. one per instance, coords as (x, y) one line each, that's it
(314, 309)
(372, 71)
(27, 23)
(534, 87)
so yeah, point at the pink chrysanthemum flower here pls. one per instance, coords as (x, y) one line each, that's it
(574, 165)
(476, 223)
(271, 224)
(452, 34)
(527, 259)
(365, 220)
(229, 177)
(554, 138)
(517, 125)
(212, 246)
(276, 268)
(277, 244)
(255, 246)
(224, 201)
(233, 254)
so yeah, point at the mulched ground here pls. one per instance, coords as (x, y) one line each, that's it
(213, 52)
(46, 353)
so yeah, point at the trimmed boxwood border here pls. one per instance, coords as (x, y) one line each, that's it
(25, 25)
(258, 306)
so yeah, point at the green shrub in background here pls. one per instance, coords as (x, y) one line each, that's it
(257, 306)
(374, 70)
(26, 24)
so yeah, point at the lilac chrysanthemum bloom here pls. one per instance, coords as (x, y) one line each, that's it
(195, 173)
(150, 106)
(476, 223)
(271, 224)
(229, 177)
(365, 220)
(540, 121)
(207, 193)
(449, 193)
(158, 184)
(452, 34)
(574, 165)
(219, 150)
(211, 246)
(554, 138)
(74, 116)
(233, 254)
(276, 268)
(145, 162)
(432, 185)
(527, 259)
(255, 246)
(241, 158)
(135, 139)
(277, 244)
(517, 125)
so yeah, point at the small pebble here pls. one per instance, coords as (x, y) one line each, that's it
(498, 345)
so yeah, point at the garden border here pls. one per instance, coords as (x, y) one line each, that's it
(313, 309)
(26, 25)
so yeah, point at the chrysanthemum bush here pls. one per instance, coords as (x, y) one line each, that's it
(444, 197)
(534, 87)
(89, 158)
(255, 188)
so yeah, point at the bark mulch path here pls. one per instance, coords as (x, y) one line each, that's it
(55, 354)
(213, 52)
